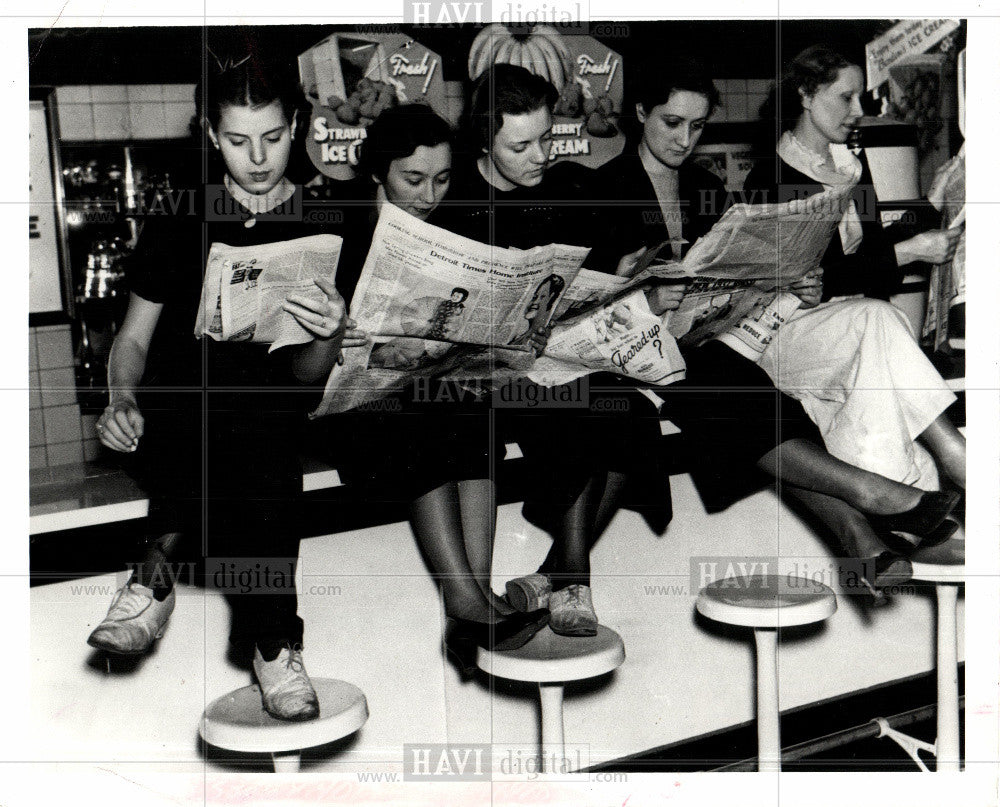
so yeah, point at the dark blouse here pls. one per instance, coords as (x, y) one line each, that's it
(627, 214)
(168, 268)
(872, 269)
(556, 211)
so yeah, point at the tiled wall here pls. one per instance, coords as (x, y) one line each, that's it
(124, 111)
(741, 98)
(157, 111)
(58, 433)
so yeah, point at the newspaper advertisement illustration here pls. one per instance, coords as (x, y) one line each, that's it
(244, 288)
(621, 336)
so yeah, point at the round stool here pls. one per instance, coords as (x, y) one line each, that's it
(550, 660)
(237, 721)
(944, 566)
(766, 603)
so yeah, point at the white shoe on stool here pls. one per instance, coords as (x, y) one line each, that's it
(529, 593)
(135, 620)
(285, 687)
(572, 610)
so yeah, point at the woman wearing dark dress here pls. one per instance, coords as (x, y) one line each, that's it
(511, 197)
(853, 361)
(433, 451)
(211, 423)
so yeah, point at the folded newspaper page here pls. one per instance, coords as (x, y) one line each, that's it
(621, 336)
(947, 281)
(734, 272)
(732, 276)
(244, 288)
(437, 304)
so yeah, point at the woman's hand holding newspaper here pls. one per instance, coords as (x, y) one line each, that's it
(327, 318)
(809, 288)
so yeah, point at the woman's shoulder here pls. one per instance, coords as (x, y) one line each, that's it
(466, 183)
(771, 170)
(571, 178)
(621, 171)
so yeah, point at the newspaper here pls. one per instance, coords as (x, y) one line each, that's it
(947, 281)
(732, 279)
(244, 288)
(736, 270)
(621, 336)
(440, 305)
(444, 306)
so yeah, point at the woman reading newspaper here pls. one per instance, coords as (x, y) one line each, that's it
(852, 360)
(509, 196)
(432, 448)
(182, 405)
(734, 418)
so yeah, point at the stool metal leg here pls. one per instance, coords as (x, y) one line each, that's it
(947, 747)
(551, 696)
(286, 762)
(768, 729)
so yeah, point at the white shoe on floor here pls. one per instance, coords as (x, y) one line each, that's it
(135, 620)
(572, 610)
(285, 687)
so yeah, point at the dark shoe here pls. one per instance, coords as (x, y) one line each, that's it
(464, 637)
(517, 630)
(920, 524)
(904, 546)
(460, 646)
(885, 569)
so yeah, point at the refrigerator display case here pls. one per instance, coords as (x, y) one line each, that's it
(107, 192)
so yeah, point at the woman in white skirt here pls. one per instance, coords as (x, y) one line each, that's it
(852, 359)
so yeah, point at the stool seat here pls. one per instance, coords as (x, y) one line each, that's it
(944, 563)
(766, 601)
(237, 721)
(550, 657)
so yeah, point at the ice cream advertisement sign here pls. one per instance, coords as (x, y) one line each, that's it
(350, 80)
(587, 75)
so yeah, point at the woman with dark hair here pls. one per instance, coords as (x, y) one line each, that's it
(168, 389)
(727, 406)
(510, 195)
(439, 463)
(852, 360)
